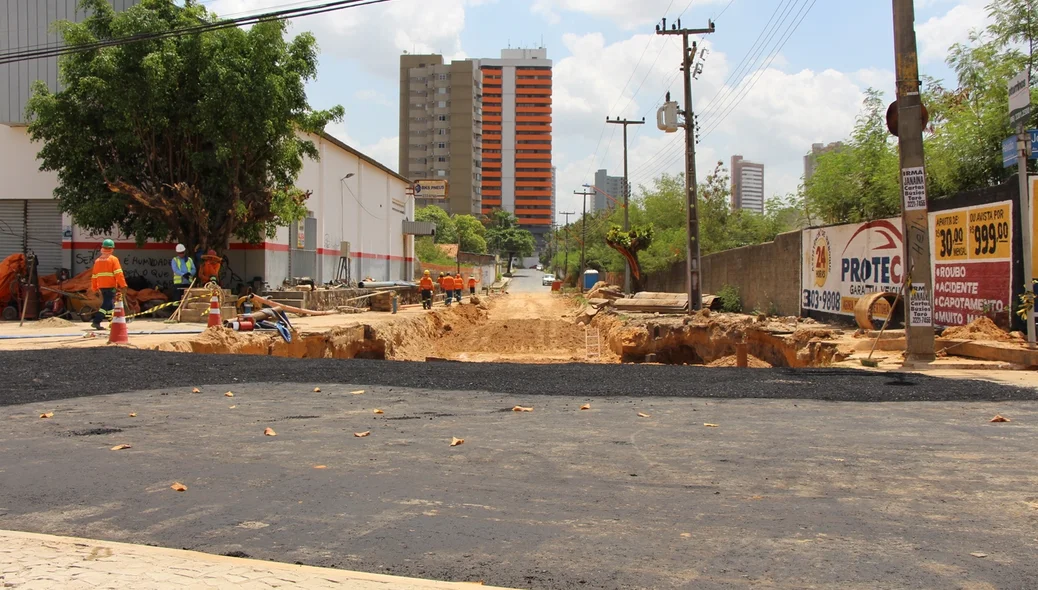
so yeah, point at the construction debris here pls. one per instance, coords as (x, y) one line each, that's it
(999, 418)
(981, 328)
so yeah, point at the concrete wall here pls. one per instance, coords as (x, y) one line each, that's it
(767, 275)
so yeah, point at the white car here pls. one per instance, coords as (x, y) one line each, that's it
(540, 267)
(547, 280)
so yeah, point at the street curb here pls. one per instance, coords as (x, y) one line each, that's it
(13, 568)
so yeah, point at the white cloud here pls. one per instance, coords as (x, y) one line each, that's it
(939, 33)
(623, 13)
(384, 151)
(375, 35)
(775, 123)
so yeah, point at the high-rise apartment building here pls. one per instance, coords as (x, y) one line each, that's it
(441, 128)
(747, 185)
(817, 149)
(611, 185)
(485, 125)
(517, 168)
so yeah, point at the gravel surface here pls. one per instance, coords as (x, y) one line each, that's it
(42, 375)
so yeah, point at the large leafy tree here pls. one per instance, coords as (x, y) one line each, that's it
(505, 237)
(471, 234)
(446, 231)
(195, 137)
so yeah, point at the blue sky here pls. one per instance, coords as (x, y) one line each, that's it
(810, 92)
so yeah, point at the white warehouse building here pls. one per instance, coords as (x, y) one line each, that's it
(357, 209)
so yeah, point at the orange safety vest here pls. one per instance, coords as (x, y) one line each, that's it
(458, 282)
(426, 284)
(448, 283)
(107, 273)
(472, 282)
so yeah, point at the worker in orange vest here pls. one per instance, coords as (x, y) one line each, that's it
(448, 289)
(472, 286)
(459, 286)
(426, 287)
(439, 283)
(106, 277)
(210, 267)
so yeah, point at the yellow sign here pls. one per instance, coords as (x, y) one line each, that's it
(822, 259)
(990, 232)
(950, 235)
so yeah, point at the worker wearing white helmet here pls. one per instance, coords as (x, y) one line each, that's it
(183, 270)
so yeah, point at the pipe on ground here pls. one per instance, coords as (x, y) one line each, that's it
(289, 308)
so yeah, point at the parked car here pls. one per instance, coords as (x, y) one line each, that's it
(540, 267)
(547, 280)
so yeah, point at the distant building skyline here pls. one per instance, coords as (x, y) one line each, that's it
(811, 159)
(611, 185)
(747, 185)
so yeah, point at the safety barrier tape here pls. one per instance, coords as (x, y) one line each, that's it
(108, 314)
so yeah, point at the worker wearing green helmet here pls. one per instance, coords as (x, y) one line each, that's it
(106, 277)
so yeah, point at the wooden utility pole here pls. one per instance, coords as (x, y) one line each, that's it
(692, 252)
(914, 217)
(627, 194)
(583, 241)
(565, 264)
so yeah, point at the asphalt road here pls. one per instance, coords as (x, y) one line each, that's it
(527, 280)
(781, 494)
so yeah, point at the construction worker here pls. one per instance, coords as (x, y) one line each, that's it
(448, 289)
(459, 286)
(472, 286)
(426, 287)
(106, 277)
(183, 271)
(210, 267)
(439, 283)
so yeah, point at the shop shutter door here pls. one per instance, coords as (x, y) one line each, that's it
(12, 227)
(43, 234)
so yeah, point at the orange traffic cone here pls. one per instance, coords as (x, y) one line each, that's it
(214, 311)
(117, 333)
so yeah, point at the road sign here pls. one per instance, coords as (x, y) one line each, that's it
(1010, 149)
(1019, 99)
(430, 189)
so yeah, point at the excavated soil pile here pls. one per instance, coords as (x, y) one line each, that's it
(981, 328)
(54, 323)
(731, 361)
(515, 336)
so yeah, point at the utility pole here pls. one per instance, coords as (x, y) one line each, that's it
(692, 252)
(914, 217)
(627, 193)
(583, 241)
(565, 264)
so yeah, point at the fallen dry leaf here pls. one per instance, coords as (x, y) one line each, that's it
(686, 535)
(317, 390)
(47, 415)
(231, 407)
(362, 434)
(320, 467)
(999, 418)
(455, 441)
(585, 407)
(641, 415)
(270, 432)
(979, 554)
(521, 409)
(709, 425)
(133, 414)
(196, 390)
(358, 392)
(178, 487)
(121, 447)
(378, 411)
(228, 394)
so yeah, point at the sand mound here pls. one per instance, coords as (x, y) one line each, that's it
(981, 328)
(730, 361)
(54, 323)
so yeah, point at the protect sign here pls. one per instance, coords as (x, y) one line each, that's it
(972, 249)
(843, 263)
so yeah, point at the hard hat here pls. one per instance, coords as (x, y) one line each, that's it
(181, 249)
(427, 273)
(108, 244)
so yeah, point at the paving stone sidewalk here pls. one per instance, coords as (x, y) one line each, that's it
(31, 561)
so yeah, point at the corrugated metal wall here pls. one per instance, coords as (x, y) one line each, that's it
(26, 24)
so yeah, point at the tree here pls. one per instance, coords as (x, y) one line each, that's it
(629, 244)
(471, 234)
(446, 230)
(192, 137)
(505, 237)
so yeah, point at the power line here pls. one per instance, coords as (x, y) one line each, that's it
(760, 72)
(24, 54)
